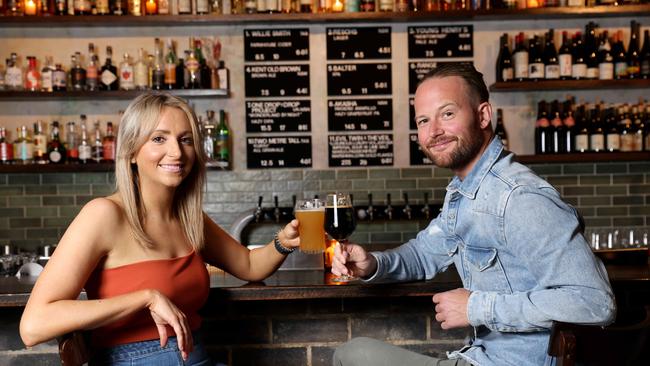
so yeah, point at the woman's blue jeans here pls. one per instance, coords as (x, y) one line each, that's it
(149, 353)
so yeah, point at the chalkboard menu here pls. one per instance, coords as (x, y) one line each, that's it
(276, 80)
(440, 41)
(412, 124)
(278, 152)
(278, 115)
(358, 43)
(276, 44)
(359, 114)
(360, 150)
(416, 155)
(359, 79)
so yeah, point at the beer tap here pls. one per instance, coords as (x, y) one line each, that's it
(426, 210)
(407, 208)
(389, 207)
(258, 211)
(371, 210)
(276, 210)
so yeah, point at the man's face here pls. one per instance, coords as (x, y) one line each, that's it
(448, 122)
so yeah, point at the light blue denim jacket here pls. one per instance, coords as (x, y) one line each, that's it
(519, 249)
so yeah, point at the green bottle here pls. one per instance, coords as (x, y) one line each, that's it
(222, 149)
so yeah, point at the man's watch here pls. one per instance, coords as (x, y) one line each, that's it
(281, 248)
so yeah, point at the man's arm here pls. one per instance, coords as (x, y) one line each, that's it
(572, 285)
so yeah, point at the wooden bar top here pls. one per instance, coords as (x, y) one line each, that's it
(314, 284)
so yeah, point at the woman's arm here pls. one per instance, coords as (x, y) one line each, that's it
(225, 252)
(53, 308)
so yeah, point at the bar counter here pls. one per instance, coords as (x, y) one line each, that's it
(314, 284)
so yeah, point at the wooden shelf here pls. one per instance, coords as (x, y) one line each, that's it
(584, 157)
(542, 85)
(318, 18)
(71, 168)
(116, 94)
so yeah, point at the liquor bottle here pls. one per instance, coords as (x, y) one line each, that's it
(386, 5)
(163, 7)
(108, 144)
(638, 129)
(605, 59)
(85, 151)
(224, 76)
(500, 129)
(645, 56)
(620, 58)
(40, 144)
(141, 72)
(250, 6)
(209, 139)
(13, 75)
(551, 62)
(565, 57)
(542, 130)
(558, 131)
(97, 149)
(170, 66)
(92, 73)
(119, 7)
(305, 6)
(184, 7)
(570, 126)
(180, 74)
(127, 79)
(536, 65)
(596, 133)
(32, 76)
(135, 7)
(633, 57)
(82, 7)
(59, 78)
(204, 69)
(102, 8)
(202, 7)
(591, 51)
(505, 71)
(23, 147)
(158, 69)
(72, 142)
(150, 7)
(15, 8)
(60, 7)
(108, 76)
(77, 73)
(367, 6)
(6, 148)
(520, 58)
(46, 75)
(55, 150)
(222, 153)
(579, 67)
(192, 66)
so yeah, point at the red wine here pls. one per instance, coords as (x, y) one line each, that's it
(346, 222)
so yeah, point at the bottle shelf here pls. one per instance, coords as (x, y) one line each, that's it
(73, 168)
(116, 94)
(514, 86)
(588, 157)
(318, 18)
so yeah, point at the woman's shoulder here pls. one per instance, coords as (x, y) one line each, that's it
(109, 209)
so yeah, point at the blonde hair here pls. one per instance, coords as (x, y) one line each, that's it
(137, 124)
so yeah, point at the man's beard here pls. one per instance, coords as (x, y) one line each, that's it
(467, 148)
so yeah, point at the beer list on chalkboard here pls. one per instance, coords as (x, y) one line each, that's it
(427, 44)
(359, 90)
(278, 108)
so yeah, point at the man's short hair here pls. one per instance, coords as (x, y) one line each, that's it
(468, 72)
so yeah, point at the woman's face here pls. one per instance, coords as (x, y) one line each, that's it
(167, 155)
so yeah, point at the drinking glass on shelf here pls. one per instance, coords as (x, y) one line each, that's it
(340, 222)
(311, 214)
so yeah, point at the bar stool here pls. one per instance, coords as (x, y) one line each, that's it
(74, 349)
(626, 342)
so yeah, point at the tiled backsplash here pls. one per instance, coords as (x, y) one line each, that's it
(35, 209)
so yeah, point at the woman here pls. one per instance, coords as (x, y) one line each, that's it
(140, 252)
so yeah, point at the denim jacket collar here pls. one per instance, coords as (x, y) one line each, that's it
(469, 186)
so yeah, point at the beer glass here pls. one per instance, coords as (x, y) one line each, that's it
(340, 222)
(311, 214)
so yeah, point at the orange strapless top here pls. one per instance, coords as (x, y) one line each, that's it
(184, 280)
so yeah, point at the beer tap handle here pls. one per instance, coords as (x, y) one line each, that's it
(426, 210)
(407, 207)
(389, 207)
(370, 210)
(258, 211)
(276, 210)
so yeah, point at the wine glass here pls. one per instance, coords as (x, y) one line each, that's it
(340, 222)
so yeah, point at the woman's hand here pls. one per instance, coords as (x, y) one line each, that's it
(164, 313)
(288, 236)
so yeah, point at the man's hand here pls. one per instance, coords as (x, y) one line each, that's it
(353, 260)
(451, 308)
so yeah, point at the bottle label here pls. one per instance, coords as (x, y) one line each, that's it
(597, 142)
(565, 64)
(627, 142)
(108, 151)
(192, 65)
(606, 71)
(55, 156)
(91, 72)
(521, 65)
(613, 142)
(32, 81)
(58, 79)
(592, 73)
(84, 152)
(507, 74)
(126, 77)
(102, 6)
(141, 75)
(633, 69)
(536, 70)
(6, 152)
(25, 151)
(108, 77)
(579, 71)
(645, 67)
(184, 6)
(40, 145)
(170, 73)
(46, 80)
(638, 141)
(223, 79)
(14, 78)
(620, 69)
(552, 71)
(202, 6)
(582, 143)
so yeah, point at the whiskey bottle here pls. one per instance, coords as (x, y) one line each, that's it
(92, 71)
(59, 78)
(108, 144)
(40, 144)
(193, 70)
(170, 66)
(55, 150)
(72, 142)
(97, 149)
(77, 73)
(108, 77)
(46, 75)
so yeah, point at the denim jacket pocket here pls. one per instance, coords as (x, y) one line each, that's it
(485, 270)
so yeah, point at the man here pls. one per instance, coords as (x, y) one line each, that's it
(516, 245)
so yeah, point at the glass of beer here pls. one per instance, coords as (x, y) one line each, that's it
(311, 214)
(340, 222)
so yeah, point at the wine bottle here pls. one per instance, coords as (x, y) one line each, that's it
(605, 59)
(596, 133)
(570, 125)
(565, 57)
(542, 138)
(579, 66)
(620, 59)
(551, 63)
(505, 71)
(645, 56)
(536, 65)
(633, 58)
(520, 57)
(582, 134)
(500, 129)
(591, 51)
(557, 129)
